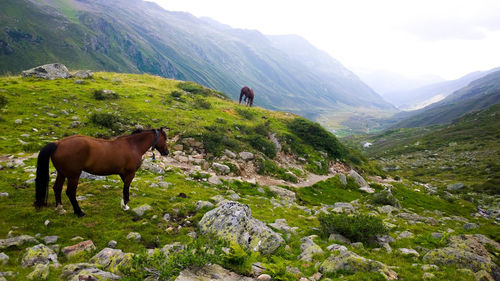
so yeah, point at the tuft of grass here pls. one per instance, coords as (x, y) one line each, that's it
(104, 95)
(362, 228)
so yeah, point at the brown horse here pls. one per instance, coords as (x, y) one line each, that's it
(75, 154)
(248, 93)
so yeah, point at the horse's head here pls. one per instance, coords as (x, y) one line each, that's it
(162, 145)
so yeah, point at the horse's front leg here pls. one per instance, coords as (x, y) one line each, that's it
(127, 180)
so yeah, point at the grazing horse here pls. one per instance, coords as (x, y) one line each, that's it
(248, 93)
(75, 154)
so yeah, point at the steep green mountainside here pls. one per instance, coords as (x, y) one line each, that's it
(137, 36)
(465, 150)
(479, 94)
(297, 193)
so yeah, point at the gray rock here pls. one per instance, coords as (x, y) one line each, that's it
(337, 247)
(16, 241)
(437, 235)
(264, 277)
(367, 189)
(382, 239)
(203, 204)
(229, 153)
(387, 248)
(387, 209)
(360, 181)
(111, 259)
(175, 247)
(221, 168)
(149, 165)
(4, 194)
(343, 179)
(280, 224)
(40, 272)
(245, 155)
(309, 249)
(86, 271)
(3, 258)
(141, 210)
(455, 187)
(350, 262)
(50, 239)
(83, 74)
(233, 221)
(429, 267)
(470, 225)
(428, 276)
(89, 176)
(48, 71)
(112, 244)
(404, 234)
(357, 245)
(285, 194)
(212, 272)
(39, 254)
(214, 180)
(409, 252)
(257, 269)
(339, 237)
(18, 121)
(134, 235)
(166, 217)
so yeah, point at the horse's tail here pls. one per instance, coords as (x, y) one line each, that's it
(42, 175)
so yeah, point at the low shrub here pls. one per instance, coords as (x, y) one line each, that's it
(263, 145)
(107, 120)
(200, 103)
(362, 228)
(385, 197)
(216, 139)
(3, 101)
(268, 167)
(194, 88)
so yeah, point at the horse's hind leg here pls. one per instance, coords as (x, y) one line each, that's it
(127, 180)
(71, 193)
(58, 186)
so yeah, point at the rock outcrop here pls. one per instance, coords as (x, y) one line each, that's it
(48, 71)
(233, 221)
(210, 272)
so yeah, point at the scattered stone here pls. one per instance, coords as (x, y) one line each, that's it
(470, 225)
(221, 168)
(175, 247)
(112, 244)
(50, 239)
(111, 259)
(264, 277)
(316, 276)
(357, 245)
(351, 262)
(88, 176)
(202, 204)
(4, 194)
(409, 252)
(86, 271)
(3, 258)
(387, 209)
(339, 237)
(212, 272)
(77, 238)
(246, 156)
(283, 193)
(387, 248)
(83, 74)
(280, 224)
(428, 276)
(367, 189)
(48, 71)
(360, 181)
(343, 179)
(134, 235)
(429, 267)
(39, 254)
(166, 217)
(149, 165)
(455, 187)
(46, 223)
(141, 210)
(233, 221)
(404, 234)
(229, 153)
(257, 269)
(309, 249)
(18, 121)
(40, 272)
(337, 247)
(16, 241)
(214, 180)
(73, 250)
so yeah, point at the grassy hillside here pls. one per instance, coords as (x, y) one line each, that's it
(34, 112)
(141, 37)
(464, 151)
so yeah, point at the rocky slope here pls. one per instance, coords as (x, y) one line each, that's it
(208, 209)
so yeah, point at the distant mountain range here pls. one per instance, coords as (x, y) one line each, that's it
(286, 72)
(477, 95)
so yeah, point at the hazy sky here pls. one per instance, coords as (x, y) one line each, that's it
(446, 38)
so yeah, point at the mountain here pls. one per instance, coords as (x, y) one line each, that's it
(479, 94)
(140, 37)
(420, 97)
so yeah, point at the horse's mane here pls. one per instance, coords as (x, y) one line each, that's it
(137, 131)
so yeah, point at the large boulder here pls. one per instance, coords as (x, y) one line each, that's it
(467, 251)
(233, 221)
(111, 259)
(86, 271)
(287, 195)
(348, 261)
(210, 272)
(309, 249)
(73, 250)
(360, 181)
(39, 254)
(48, 71)
(16, 241)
